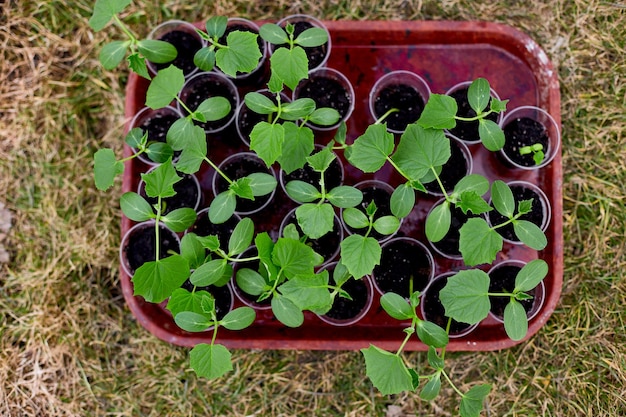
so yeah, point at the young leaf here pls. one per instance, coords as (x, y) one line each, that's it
(386, 225)
(387, 371)
(213, 108)
(160, 181)
(210, 361)
(434, 359)
(241, 188)
(491, 135)
(298, 144)
(159, 52)
(325, 116)
(222, 207)
(472, 183)
(241, 55)
(315, 220)
(106, 168)
(250, 281)
(478, 95)
(137, 63)
(194, 152)
(420, 151)
(396, 306)
(431, 334)
(211, 272)
(432, 388)
(297, 109)
(472, 401)
(259, 103)
(164, 87)
(267, 141)
(183, 300)
(530, 234)
(192, 322)
(498, 106)
(478, 243)
(369, 151)
(156, 280)
(295, 257)
(345, 196)
(238, 319)
(159, 152)
(515, 320)
(355, 218)
(273, 33)
(471, 201)
(192, 250)
(290, 65)
(205, 58)
(465, 296)
(286, 311)
(360, 254)
(402, 200)
(531, 275)
(216, 26)
(135, 207)
(439, 112)
(302, 192)
(438, 222)
(502, 198)
(312, 37)
(320, 161)
(180, 219)
(309, 292)
(242, 236)
(103, 12)
(113, 53)
(262, 183)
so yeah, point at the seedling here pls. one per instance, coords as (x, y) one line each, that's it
(536, 150)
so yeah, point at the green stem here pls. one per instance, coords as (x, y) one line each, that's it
(156, 228)
(458, 391)
(125, 29)
(183, 105)
(406, 339)
(384, 116)
(443, 190)
(472, 119)
(228, 180)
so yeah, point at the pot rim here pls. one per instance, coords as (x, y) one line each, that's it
(176, 24)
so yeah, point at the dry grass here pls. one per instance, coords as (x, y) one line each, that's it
(70, 347)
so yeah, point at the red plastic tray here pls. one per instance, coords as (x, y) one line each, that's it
(444, 53)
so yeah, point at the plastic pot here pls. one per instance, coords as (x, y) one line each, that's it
(186, 40)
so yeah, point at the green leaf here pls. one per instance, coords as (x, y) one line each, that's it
(321, 161)
(211, 272)
(267, 141)
(312, 37)
(183, 300)
(465, 296)
(498, 106)
(164, 87)
(295, 257)
(387, 371)
(113, 53)
(530, 234)
(241, 188)
(478, 95)
(106, 167)
(438, 222)
(210, 361)
(260, 104)
(210, 242)
(431, 334)
(355, 218)
(159, 152)
(137, 63)
(420, 151)
(472, 183)
(192, 322)
(241, 55)
(432, 388)
(273, 33)
(471, 201)
(180, 219)
(439, 112)
(386, 225)
(214, 108)
(396, 306)
(290, 65)
(502, 198)
(250, 281)
(204, 59)
(194, 152)
(286, 311)
(302, 192)
(103, 12)
(524, 206)
(325, 116)
(369, 151)
(262, 183)
(135, 207)
(309, 292)
(159, 52)
(181, 132)
(360, 254)
(160, 181)
(222, 207)
(531, 275)
(472, 401)
(434, 359)
(478, 243)
(402, 200)
(297, 109)
(242, 237)
(238, 319)
(297, 145)
(345, 196)
(491, 135)
(192, 250)
(136, 138)
(515, 320)
(216, 26)
(156, 280)
(315, 220)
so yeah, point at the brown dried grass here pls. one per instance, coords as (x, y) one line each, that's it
(70, 347)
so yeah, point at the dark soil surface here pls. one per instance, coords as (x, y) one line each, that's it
(333, 176)
(186, 195)
(502, 279)
(467, 131)
(187, 45)
(449, 245)
(142, 243)
(401, 262)
(522, 132)
(157, 126)
(456, 168)
(328, 245)
(326, 92)
(202, 89)
(403, 97)
(344, 309)
(315, 54)
(535, 215)
(434, 310)
(239, 168)
(382, 198)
